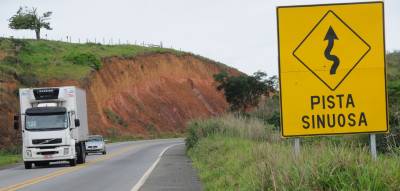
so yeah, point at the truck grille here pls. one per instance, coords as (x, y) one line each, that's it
(47, 153)
(46, 141)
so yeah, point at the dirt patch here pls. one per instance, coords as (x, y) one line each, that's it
(2, 55)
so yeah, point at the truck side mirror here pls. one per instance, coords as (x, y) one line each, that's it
(16, 122)
(77, 123)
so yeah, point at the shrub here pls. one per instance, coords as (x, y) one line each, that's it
(10, 60)
(243, 92)
(199, 129)
(268, 111)
(151, 129)
(28, 79)
(84, 59)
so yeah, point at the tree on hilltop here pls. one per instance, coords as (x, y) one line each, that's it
(29, 19)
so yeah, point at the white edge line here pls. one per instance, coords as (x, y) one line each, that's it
(146, 175)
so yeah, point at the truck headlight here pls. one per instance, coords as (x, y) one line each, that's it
(66, 151)
(29, 153)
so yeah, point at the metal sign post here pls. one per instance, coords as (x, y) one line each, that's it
(373, 146)
(297, 147)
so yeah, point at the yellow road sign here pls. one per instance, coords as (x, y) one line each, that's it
(332, 69)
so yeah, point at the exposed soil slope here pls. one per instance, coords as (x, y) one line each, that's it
(143, 95)
(8, 107)
(153, 93)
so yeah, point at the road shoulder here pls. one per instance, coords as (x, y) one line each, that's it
(11, 165)
(173, 172)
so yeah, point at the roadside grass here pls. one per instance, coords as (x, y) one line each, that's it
(44, 59)
(225, 163)
(8, 157)
(239, 153)
(34, 61)
(114, 139)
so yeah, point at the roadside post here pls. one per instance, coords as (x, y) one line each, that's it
(373, 146)
(297, 147)
(332, 71)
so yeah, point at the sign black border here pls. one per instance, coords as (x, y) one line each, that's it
(279, 67)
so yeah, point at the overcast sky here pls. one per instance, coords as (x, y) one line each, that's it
(239, 33)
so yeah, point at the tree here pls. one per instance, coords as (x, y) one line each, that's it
(242, 92)
(29, 19)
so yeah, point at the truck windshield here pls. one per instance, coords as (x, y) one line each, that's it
(46, 122)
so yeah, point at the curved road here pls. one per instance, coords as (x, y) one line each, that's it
(122, 168)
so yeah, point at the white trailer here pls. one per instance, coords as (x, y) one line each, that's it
(54, 125)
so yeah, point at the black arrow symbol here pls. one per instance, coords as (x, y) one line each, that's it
(331, 37)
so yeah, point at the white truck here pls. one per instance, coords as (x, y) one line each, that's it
(54, 125)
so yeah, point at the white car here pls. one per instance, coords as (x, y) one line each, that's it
(96, 144)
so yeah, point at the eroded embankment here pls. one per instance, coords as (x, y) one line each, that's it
(147, 94)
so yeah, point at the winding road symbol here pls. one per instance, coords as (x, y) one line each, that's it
(331, 37)
(331, 50)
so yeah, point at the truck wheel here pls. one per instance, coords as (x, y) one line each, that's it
(84, 153)
(104, 152)
(72, 162)
(81, 154)
(28, 165)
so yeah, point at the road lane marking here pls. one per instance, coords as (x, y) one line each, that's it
(40, 179)
(146, 175)
(57, 173)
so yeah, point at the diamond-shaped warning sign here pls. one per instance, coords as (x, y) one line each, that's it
(325, 50)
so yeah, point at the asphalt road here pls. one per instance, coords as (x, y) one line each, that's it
(125, 167)
(174, 172)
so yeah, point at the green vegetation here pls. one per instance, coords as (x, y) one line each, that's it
(84, 59)
(114, 139)
(244, 151)
(393, 63)
(10, 156)
(234, 152)
(6, 159)
(34, 61)
(29, 19)
(268, 112)
(150, 128)
(116, 135)
(392, 140)
(243, 91)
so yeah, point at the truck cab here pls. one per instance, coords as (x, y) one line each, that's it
(54, 125)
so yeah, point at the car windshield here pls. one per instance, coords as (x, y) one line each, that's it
(95, 139)
(46, 122)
